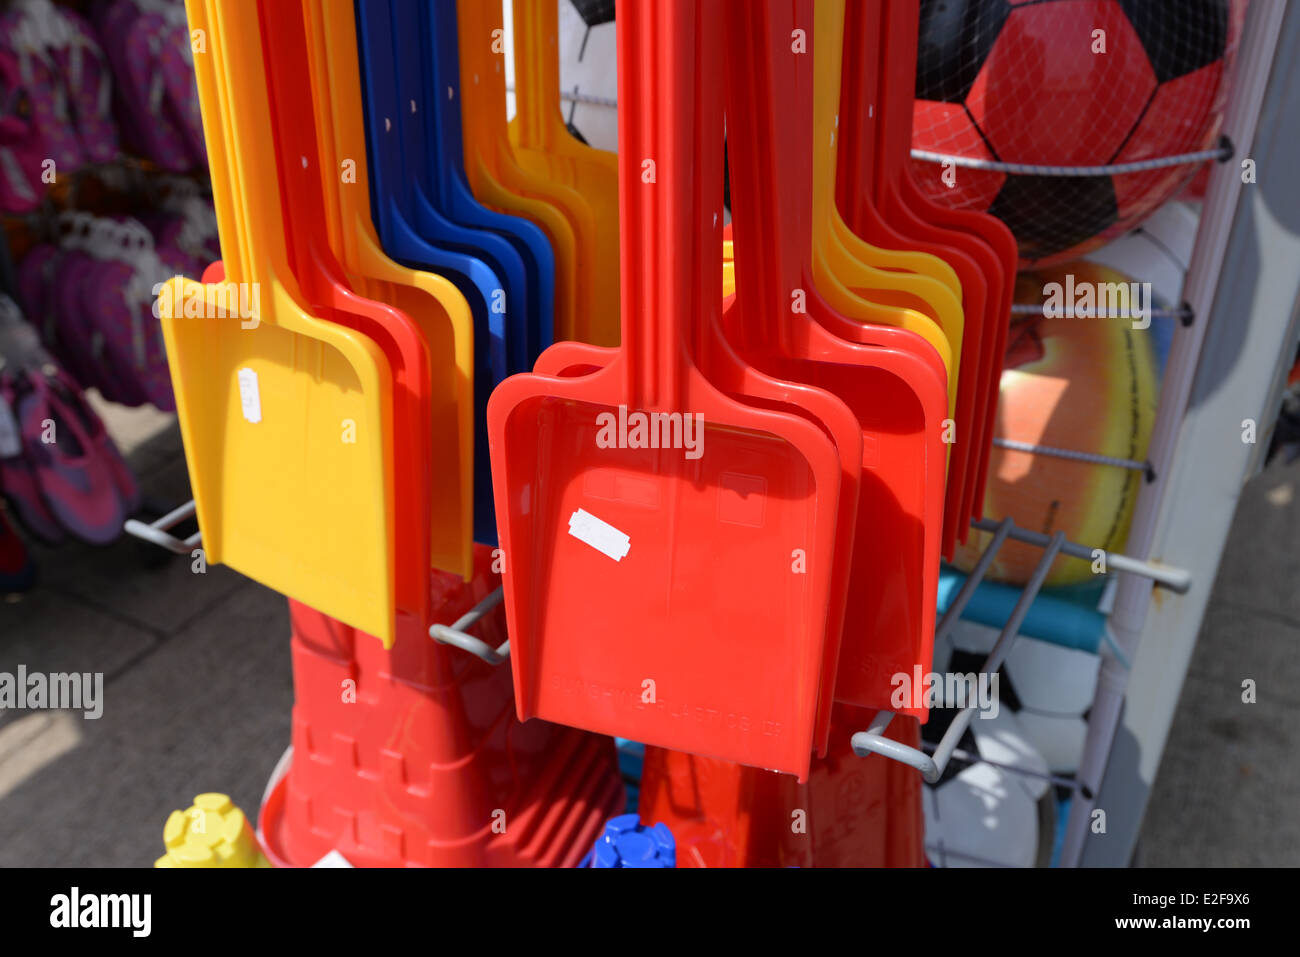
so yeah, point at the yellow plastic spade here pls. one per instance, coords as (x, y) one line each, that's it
(545, 145)
(433, 302)
(837, 274)
(501, 182)
(215, 136)
(925, 283)
(267, 397)
(537, 50)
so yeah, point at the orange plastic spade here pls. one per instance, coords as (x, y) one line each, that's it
(861, 113)
(545, 145)
(500, 181)
(652, 592)
(836, 270)
(859, 813)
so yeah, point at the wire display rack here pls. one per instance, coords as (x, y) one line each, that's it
(1225, 369)
(932, 765)
(1236, 339)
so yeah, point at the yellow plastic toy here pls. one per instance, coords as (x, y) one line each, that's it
(212, 832)
(431, 300)
(920, 280)
(500, 180)
(544, 144)
(268, 395)
(828, 259)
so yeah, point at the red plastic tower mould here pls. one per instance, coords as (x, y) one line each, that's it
(851, 812)
(414, 757)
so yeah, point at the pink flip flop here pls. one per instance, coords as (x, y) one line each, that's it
(17, 477)
(74, 481)
(101, 443)
(80, 349)
(119, 335)
(177, 250)
(119, 300)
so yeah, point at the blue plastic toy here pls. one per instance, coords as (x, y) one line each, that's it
(447, 157)
(626, 842)
(414, 117)
(392, 186)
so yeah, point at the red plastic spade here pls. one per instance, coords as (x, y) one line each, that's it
(880, 69)
(748, 319)
(730, 373)
(855, 194)
(651, 592)
(901, 26)
(896, 389)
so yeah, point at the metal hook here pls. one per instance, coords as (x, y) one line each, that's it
(156, 531)
(456, 635)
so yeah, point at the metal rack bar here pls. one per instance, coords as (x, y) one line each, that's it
(967, 590)
(1182, 313)
(1219, 154)
(157, 531)
(965, 757)
(1175, 579)
(1093, 458)
(588, 99)
(938, 850)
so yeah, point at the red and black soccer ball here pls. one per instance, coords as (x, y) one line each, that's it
(1069, 83)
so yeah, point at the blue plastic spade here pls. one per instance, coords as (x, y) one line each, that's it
(392, 188)
(414, 117)
(447, 155)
